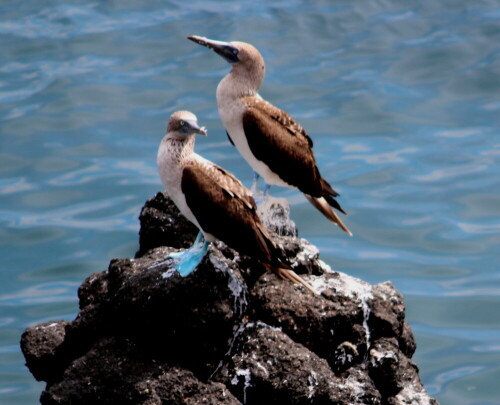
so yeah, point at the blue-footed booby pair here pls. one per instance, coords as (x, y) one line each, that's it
(275, 146)
(214, 200)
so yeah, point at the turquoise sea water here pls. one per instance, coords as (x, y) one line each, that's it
(402, 99)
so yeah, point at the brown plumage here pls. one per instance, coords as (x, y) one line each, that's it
(271, 141)
(226, 209)
(216, 201)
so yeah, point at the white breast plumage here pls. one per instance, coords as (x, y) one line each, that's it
(231, 114)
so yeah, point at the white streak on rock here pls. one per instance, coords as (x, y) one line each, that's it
(413, 394)
(262, 368)
(350, 287)
(169, 273)
(235, 285)
(248, 376)
(51, 325)
(312, 381)
(353, 386)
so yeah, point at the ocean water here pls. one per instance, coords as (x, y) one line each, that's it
(402, 99)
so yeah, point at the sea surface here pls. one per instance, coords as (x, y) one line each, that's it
(402, 99)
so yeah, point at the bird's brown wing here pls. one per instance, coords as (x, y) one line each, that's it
(284, 146)
(226, 209)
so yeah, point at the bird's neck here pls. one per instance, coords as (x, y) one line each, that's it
(174, 150)
(238, 84)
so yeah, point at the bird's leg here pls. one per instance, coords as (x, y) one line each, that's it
(196, 242)
(255, 184)
(261, 197)
(266, 191)
(188, 260)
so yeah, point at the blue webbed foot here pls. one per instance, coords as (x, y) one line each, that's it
(187, 260)
(190, 259)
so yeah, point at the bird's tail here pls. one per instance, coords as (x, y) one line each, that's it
(322, 205)
(289, 274)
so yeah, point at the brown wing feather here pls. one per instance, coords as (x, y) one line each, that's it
(225, 208)
(282, 117)
(231, 185)
(276, 139)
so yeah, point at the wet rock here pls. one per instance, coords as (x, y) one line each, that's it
(229, 333)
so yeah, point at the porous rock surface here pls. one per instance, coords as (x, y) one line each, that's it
(230, 333)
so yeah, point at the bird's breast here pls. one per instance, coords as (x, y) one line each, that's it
(231, 114)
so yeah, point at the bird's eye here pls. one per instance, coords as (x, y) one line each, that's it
(181, 123)
(235, 51)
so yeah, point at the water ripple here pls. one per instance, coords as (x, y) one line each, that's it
(82, 216)
(67, 21)
(448, 173)
(37, 76)
(43, 293)
(16, 185)
(106, 170)
(394, 156)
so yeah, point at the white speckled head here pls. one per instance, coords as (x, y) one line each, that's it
(182, 124)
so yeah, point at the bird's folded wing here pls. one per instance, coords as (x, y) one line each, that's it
(283, 145)
(226, 209)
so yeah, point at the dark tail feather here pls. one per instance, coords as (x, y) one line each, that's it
(334, 203)
(328, 189)
(322, 205)
(329, 194)
(288, 274)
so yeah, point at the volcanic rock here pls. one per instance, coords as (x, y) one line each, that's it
(230, 333)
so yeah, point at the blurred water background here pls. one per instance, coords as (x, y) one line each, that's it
(402, 99)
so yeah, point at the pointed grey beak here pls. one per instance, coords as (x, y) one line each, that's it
(225, 49)
(202, 131)
(197, 129)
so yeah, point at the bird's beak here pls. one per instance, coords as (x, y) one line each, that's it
(202, 131)
(225, 49)
(197, 129)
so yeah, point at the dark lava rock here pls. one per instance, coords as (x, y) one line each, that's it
(117, 371)
(162, 225)
(40, 345)
(281, 371)
(229, 333)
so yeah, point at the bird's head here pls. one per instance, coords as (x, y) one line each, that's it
(183, 124)
(245, 59)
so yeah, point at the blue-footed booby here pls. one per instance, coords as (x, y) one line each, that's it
(214, 200)
(276, 147)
